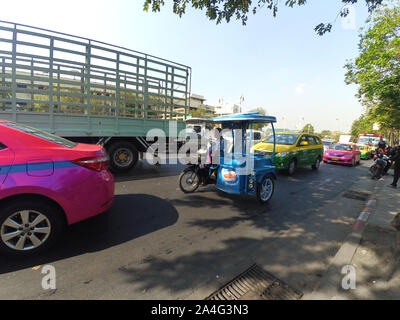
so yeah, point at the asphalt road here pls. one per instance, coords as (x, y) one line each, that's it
(158, 243)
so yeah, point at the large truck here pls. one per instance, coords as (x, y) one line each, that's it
(90, 91)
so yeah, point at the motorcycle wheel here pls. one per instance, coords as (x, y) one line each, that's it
(373, 170)
(189, 181)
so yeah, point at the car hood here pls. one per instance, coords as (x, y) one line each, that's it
(339, 152)
(270, 147)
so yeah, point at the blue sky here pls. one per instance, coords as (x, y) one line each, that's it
(279, 64)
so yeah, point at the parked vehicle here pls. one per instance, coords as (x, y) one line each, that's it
(345, 138)
(327, 143)
(232, 174)
(380, 165)
(343, 153)
(293, 150)
(366, 151)
(91, 92)
(47, 183)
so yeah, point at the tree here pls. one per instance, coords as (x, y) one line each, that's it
(308, 128)
(325, 134)
(220, 10)
(376, 70)
(201, 113)
(259, 126)
(364, 124)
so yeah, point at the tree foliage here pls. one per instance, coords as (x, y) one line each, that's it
(225, 10)
(376, 70)
(259, 126)
(201, 113)
(308, 128)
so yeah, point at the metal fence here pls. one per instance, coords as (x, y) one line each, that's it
(43, 71)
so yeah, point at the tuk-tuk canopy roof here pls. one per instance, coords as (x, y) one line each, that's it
(198, 120)
(254, 117)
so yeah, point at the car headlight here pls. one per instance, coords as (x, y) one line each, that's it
(282, 154)
(348, 156)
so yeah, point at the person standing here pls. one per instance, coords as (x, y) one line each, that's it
(396, 159)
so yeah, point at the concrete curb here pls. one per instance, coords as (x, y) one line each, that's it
(329, 287)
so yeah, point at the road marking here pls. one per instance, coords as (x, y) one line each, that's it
(371, 203)
(363, 216)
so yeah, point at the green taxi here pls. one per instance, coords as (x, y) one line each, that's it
(366, 151)
(293, 150)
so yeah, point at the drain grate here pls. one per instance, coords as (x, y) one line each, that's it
(256, 284)
(358, 195)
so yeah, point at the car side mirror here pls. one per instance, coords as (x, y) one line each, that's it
(304, 143)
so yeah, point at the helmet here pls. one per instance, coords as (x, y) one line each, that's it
(382, 144)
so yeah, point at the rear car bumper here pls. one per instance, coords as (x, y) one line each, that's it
(94, 196)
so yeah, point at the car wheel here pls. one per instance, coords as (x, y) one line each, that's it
(123, 156)
(317, 163)
(29, 226)
(292, 167)
(265, 189)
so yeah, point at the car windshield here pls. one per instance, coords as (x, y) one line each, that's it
(361, 147)
(287, 139)
(369, 140)
(343, 147)
(326, 143)
(41, 134)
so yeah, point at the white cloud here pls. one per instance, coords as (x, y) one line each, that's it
(300, 88)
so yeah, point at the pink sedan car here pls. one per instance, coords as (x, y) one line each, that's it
(344, 153)
(46, 183)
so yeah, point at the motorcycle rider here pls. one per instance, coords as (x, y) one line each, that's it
(390, 152)
(381, 148)
(381, 164)
(396, 159)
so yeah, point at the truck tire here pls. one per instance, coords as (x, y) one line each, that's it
(123, 156)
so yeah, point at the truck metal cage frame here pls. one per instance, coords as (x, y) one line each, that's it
(73, 86)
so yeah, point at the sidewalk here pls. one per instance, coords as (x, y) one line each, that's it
(370, 249)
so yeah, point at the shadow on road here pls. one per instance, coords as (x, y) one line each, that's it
(292, 238)
(132, 216)
(144, 171)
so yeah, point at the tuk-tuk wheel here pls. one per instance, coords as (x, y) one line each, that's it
(265, 189)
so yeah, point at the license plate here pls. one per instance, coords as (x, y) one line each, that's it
(335, 159)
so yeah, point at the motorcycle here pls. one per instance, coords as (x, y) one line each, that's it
(380, 166)
(196, 175)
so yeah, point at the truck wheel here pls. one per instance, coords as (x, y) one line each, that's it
(123, 156)
(29, 226)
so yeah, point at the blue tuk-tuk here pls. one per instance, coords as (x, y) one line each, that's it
(237, 170)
